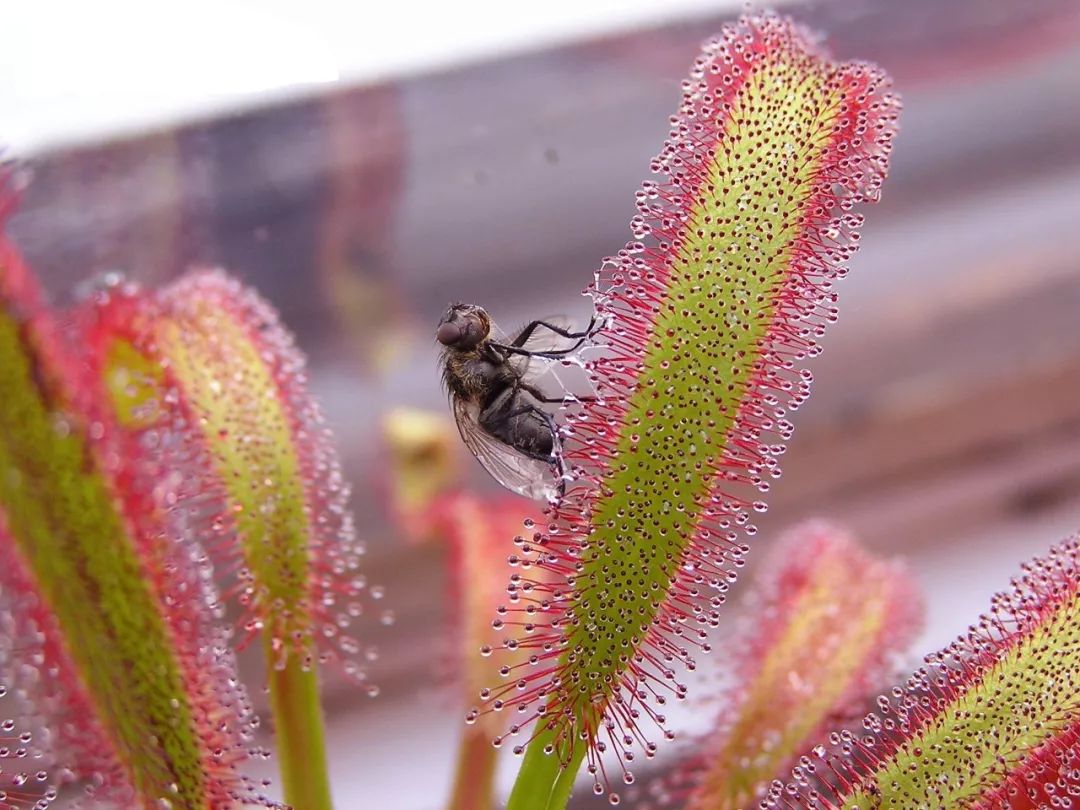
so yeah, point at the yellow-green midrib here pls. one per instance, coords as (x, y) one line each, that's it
(233, 396)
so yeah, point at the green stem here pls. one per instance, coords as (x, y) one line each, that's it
(560, 793)
(475, 777)
(298, 729)
(542, 782)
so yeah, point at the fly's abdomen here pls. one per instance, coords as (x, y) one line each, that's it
(514, 419)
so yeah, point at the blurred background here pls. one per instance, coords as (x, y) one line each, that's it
(362, 168)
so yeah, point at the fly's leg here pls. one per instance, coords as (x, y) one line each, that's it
(556, 453)
(540, 396)
(563, 400)
(516, 346)
(526, 333)
(551, 355)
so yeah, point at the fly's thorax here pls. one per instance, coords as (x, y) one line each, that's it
(473, 375)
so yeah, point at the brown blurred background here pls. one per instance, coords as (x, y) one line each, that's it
(945, 423)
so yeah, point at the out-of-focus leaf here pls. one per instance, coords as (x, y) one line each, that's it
(111, 626)
(211, 359)
(421, 448)
(989, 722)
(821, 631)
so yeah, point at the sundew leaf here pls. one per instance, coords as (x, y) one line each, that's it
(110, 626)
(1047, 777)
(989, 722)
(429, 506)
(59, 707)
(707, 318)
(24, 785)
(476, 529)
(478, 532)
(820, 634)
(210, 358)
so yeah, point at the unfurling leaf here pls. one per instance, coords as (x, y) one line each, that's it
(110, 629)
(708, 317)
(820, 634)
(421, 449)
(989, 722)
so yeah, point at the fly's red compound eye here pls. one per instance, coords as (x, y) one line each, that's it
(448, 334)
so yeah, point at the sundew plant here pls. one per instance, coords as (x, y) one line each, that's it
(170, 494)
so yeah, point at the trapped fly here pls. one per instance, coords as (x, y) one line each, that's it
(497, 406)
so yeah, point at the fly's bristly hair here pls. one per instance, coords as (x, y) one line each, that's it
(455, 360)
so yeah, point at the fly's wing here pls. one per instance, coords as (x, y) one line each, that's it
(542, 339)
(517, 472)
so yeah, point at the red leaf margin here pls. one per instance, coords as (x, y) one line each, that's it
(337, 592)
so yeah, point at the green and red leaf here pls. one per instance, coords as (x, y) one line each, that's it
(211, 359)
(707, 319)
(820, 635)
(478, 532)
(989, 722)
(113, 629)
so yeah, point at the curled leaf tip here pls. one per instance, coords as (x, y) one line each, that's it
(989, 722)
(210, 359)
(708, 317)
(820, 632)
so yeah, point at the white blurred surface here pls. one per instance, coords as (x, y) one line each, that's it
(74, 71)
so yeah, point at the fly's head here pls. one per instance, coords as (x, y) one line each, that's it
(464, 327)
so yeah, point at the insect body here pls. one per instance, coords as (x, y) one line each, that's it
(496, 405)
